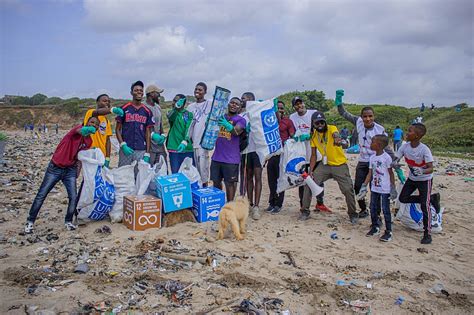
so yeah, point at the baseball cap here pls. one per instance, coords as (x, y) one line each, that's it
(318, 116)
(153, 88)
(138, 83)
(295, 99)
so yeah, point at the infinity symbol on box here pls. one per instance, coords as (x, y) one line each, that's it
(151, 219)
(127, 216)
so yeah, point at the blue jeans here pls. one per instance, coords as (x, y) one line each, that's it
(177, 158)
(53, 175)
(375, 209)
(396, 145)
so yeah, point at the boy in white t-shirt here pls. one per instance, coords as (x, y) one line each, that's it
(382, 187)
(420, 162)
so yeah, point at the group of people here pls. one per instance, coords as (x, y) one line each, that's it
(139, 131)
(41, 128)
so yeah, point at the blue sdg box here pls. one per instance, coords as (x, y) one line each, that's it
(174, 191)
(207, 203)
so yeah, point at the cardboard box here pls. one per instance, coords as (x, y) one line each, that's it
(174, 191)
(141, 212)
(207, 203)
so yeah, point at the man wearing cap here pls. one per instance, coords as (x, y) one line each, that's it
(157, 149)
(133, 129)
(326, 141)
(301, 119)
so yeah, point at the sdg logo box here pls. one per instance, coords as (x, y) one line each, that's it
(141, 212)
(174, 191)
(207, 203)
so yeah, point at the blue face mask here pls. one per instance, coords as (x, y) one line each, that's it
(180, 103)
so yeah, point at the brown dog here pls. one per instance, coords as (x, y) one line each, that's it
(234, 213)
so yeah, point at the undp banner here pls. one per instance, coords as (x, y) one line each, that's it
(218, 109)
(264, 129)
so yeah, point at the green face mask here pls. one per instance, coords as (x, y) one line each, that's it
(180, 103)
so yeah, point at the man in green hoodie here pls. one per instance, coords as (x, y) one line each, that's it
(178, 143)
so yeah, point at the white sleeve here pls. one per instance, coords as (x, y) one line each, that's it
(427, 154)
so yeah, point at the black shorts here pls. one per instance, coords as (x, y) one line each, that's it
(228, 172)
(253, 160)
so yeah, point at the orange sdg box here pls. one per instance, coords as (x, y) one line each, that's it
(141, 212)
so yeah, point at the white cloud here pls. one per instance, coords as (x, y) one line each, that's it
(402, 52)
(161, 45)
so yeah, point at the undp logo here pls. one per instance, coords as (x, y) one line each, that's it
(269, 119)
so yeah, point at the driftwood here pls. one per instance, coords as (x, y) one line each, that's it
(290, 257)
(203, 260)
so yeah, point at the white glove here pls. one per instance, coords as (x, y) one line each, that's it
(393, 193)
(362, 192)
(417, 171)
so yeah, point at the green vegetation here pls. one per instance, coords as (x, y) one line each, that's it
(312, 99)
(448, 130)
(3, 137)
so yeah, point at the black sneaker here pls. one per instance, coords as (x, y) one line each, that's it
(269, 209)
(375, 230)
(304, 215)
(363, 214)
(276, 210)
(426, 239)
(386, 237)
(354, 220)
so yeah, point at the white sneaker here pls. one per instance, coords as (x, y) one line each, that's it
(28, 228)
(255, 213)
(69, 226)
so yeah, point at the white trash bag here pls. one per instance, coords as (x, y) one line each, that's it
(264, 129)
(191, 172)
(104, 197)
(145, 174)
(98, 191)
(92, 161)
(292, 162)
(161, 169)
(411, 216)
(124, 181)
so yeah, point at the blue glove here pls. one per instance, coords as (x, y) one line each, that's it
(247, 128)
(339, 95)
(181, 147)
(146, 158)
(157, 138)
(126, 149)
(226, 124)
(87, 131)
(117, 111)
(393, 193)
(107, 163)
(304, 137)
(400, 175)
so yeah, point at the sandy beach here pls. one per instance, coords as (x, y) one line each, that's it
(127, 273)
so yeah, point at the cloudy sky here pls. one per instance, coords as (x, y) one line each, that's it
(395, 52)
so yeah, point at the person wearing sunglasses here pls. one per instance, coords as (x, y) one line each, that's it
(326, 142)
